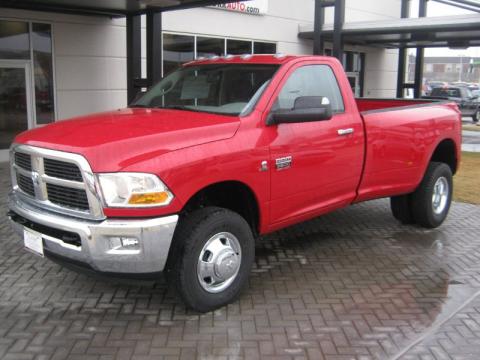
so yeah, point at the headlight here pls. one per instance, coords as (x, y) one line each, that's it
(134, 190)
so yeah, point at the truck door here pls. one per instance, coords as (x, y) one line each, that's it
(315, 166)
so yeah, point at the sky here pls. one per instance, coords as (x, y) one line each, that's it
(437, 9)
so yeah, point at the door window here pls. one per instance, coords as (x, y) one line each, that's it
(311, 80)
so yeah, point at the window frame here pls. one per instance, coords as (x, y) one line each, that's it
(30, 22)
(225, 39)
(292, 71)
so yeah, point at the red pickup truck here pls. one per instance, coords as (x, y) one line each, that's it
(217, 153)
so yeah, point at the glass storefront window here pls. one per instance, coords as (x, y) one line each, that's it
(14, 41)
(208, 47)
(264, 48)
(238, 47)
(177, 50)
(43, 72)
(13, 104)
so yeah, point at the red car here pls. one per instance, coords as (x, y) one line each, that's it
(216, 154)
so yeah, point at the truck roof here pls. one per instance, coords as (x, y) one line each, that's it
(277, 59)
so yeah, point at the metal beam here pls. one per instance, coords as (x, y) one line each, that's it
(327, 3)
(154, 47)
(402, 53)
(453, 3)
(191, 4)
(134, 55)
(467, 3)
(63, 9)
(112, 9)
(339, 20)
(420, 58)
(318, 41)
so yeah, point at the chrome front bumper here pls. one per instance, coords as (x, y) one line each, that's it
(154, 237)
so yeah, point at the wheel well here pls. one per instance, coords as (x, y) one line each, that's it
(446, 153)
(232, 195)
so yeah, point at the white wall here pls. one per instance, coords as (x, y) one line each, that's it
(366, 10)
(381, 65)
(279, 25)
(90, 52)
(89, 59)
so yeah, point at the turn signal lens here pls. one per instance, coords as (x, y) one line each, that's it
(149, 198)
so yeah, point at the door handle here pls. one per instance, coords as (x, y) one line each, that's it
(343, 132)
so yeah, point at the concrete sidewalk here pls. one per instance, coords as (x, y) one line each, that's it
(471, 141)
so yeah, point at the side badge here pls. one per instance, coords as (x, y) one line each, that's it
(284, 163)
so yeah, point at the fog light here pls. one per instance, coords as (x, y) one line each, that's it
(121, 243)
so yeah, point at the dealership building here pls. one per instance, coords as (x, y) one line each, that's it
(60, 59)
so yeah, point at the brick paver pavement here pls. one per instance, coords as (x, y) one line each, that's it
(354, 284)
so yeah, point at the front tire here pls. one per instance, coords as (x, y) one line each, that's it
(213, 263)
(432, 199)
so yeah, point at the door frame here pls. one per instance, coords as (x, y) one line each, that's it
(26, 65)
(358, 88)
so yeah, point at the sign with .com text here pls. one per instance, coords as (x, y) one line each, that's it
(252, 7)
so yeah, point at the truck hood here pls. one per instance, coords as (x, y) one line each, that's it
(113, 140)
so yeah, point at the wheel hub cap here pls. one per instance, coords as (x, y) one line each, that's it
(219, 262)
(226, 265)
(440, 195)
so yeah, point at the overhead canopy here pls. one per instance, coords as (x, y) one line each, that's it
(113, 8)
(452, 31)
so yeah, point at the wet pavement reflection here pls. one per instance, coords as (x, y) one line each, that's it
(354, 284)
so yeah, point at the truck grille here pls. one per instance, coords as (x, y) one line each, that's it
(25, 184)
(24, 161)
(62, 170)
(55, 180)
(68, 197)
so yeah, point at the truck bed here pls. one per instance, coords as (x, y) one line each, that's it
(400, 136)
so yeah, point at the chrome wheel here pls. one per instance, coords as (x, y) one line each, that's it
(441, 191)
(219, 262)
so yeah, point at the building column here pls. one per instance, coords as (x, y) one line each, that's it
(339, 20)
(402, 54)
(134, 54)
(419, 60)
(154, 47)
(318, 42)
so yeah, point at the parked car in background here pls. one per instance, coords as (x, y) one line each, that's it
(460, 83)
(463, 96)
(430, 85)
(434, 84)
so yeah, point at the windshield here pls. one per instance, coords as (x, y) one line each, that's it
(228, 89)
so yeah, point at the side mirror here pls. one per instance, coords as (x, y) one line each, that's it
(305, 109)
